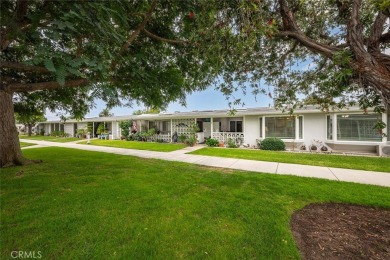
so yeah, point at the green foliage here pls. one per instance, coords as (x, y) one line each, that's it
(181, 138)
(100, 129)
(85, 40)
(125, 127)
(273, 144)
(147, 111)
(106, 113)
(191, 141)
(212, 142)
(42, 131)
(380, 125)
(28, 113)
(59, 134)
(80, 133)
(231, 143)
(139, 136)
(233, 45)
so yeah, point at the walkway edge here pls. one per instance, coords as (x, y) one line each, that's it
(329, 173)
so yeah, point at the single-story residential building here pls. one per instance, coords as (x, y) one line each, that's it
(346, 130)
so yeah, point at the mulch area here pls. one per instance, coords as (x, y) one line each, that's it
(342, 231)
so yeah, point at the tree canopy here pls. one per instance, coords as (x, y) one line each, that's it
(65, 54)
(342, 42)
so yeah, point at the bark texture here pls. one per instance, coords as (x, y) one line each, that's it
(370, 65)
(10, 152)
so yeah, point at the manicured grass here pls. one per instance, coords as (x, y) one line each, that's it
(159, 147)
(83, 205)
(50, 138)
(22, 144)
(339, 161)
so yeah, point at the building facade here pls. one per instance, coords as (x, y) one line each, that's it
(346, 130)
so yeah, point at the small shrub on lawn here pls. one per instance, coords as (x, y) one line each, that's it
(191, 141)
(231, 143)
(212, 142)
(58, 134)
(272, 144)
(182, 138)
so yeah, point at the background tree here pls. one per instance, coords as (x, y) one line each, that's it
(29, 118)
(106, 113)
(147, 111)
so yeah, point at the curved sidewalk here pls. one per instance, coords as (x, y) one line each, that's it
(338, 174)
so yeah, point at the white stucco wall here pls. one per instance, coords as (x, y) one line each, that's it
(115, 130)
(68, 129)
(314, 127)
(251, 129)
(47, 129)
(81, 125)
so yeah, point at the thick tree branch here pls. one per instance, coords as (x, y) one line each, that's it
(18, 20)
(22, 67)
(355, 37)
(376, 33)
(327, 51)
(291, 30)
(385, 38)
(158, 38)
(22, 87)
(137, 31)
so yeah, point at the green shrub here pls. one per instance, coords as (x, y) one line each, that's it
(231, 143)
(273, 144)
(139, 136)
(125, 127)
(57, 133)
(212, 142)
(182, 138)
(191, 141)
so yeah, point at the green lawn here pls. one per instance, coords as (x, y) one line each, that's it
(159, 147)
(22, 144)
(379, 164)
(83, 205)
(50, 138)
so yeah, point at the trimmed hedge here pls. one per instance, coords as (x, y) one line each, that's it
(212, 142)
(272, 144)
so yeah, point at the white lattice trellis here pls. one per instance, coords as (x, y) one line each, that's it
(183, 126)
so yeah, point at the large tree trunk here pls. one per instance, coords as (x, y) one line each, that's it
(29, 129)
(10, 152)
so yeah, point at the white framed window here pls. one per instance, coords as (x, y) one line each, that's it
(357, 127)
(283, 127)
(235, 126)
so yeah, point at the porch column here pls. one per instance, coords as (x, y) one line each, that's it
(93, 129)
(334, 130)
(171, 131)
(263, 128)
(212, 127)
(384, 119)
(296, 127)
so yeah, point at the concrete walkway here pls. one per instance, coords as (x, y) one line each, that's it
(338, 174)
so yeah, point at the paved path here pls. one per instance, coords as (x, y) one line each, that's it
(358, 176)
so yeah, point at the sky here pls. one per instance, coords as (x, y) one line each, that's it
(208, 99)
